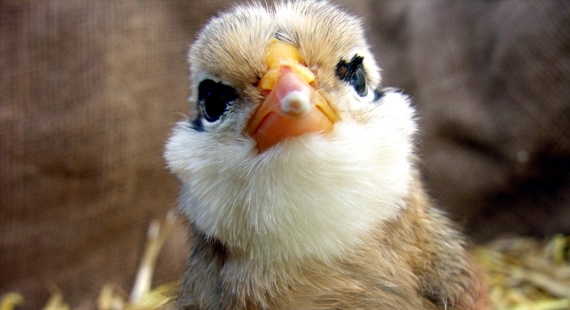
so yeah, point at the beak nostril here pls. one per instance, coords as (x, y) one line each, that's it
(295, 102)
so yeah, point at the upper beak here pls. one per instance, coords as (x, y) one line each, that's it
(292, 106)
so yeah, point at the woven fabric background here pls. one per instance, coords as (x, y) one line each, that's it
(89, 91)
(491, 80)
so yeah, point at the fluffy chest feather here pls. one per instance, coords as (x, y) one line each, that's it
(314, 195)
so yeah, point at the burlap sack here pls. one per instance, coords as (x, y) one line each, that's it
(491, 81)
(90, 90)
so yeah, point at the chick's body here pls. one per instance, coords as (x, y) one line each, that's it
(291, 213)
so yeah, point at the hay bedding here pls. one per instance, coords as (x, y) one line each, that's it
(113, 297)
(522, 274)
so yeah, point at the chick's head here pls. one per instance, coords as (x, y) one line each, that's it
(291, 139)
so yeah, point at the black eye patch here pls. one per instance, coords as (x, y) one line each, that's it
(353, 73)
(345, 71)
(378, 94)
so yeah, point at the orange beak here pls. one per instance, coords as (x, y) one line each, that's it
(292, 106)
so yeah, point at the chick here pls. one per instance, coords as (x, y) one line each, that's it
(299, 178)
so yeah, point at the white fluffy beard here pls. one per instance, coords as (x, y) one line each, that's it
(314, 196)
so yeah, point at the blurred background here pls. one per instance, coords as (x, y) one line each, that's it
(89, 91)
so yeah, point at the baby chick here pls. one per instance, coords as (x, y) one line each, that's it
(299, 178)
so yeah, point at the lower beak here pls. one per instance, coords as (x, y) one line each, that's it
(292, 108)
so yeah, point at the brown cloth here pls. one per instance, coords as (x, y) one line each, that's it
(89, 91)
(491, 81)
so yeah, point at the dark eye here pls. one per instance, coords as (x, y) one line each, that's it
(214, 98)
(353, 73)
(358, 81)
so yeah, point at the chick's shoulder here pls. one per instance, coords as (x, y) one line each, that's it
(298, 174)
